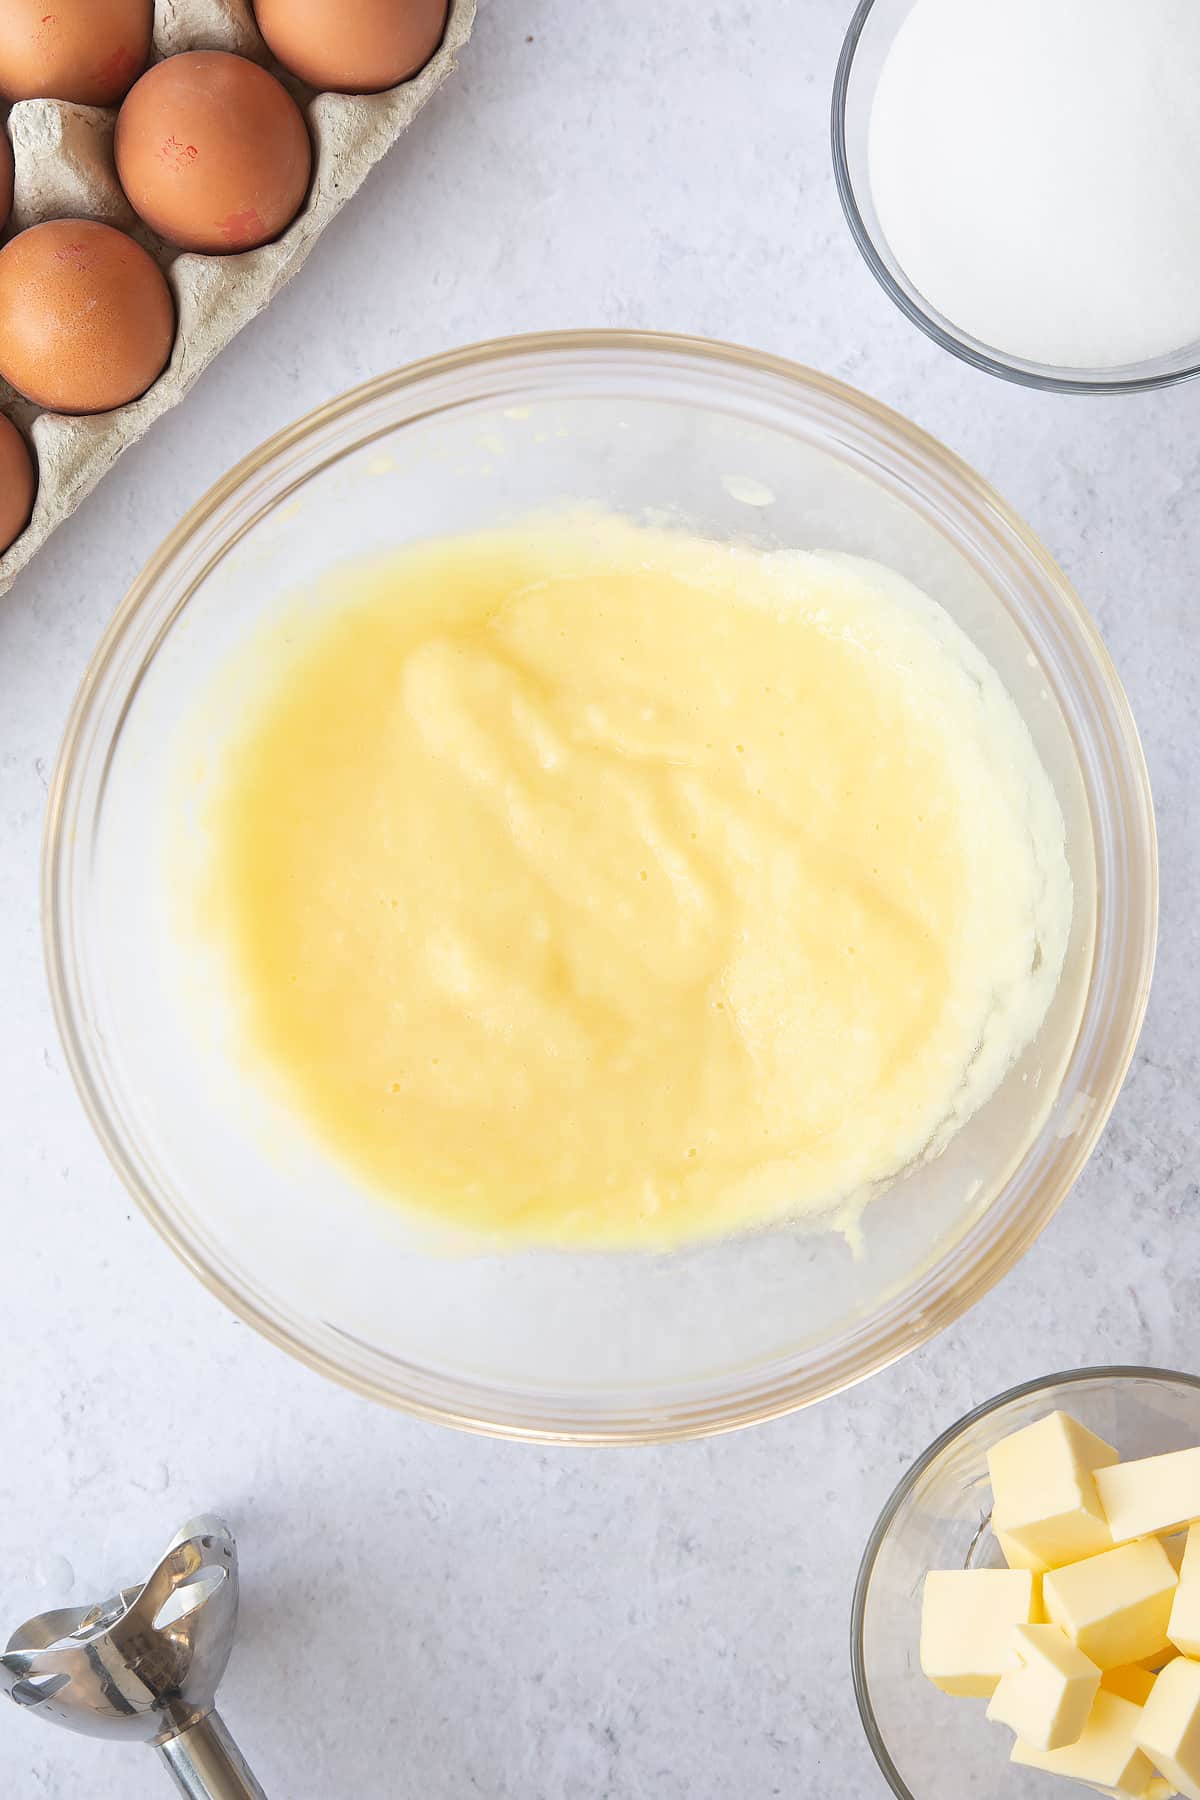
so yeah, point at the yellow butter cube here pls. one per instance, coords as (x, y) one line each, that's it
(1156, 1494)
(1037, 1606)
(1115, 1606)
(1169, 1732)
(1183, 1627)
(1175, 1546)
(1132, 1682)
(1106, 1755)
(1016, 1555)
(1044, 1495)
(1047, 1698)
(1190, 1565)
(967, 1617)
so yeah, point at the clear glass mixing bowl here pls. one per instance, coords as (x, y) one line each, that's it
(600, 1347)
(867, 42)
(929, 1745)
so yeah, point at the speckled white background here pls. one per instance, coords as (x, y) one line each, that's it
(464, 1617)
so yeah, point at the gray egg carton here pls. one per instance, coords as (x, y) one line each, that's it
(65, 168)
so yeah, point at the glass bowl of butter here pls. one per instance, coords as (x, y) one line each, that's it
(600, 887)
(1112, 1583)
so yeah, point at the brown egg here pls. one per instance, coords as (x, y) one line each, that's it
(17, 484)
(91, 51)
(86, 316)
(6, 178)
(213, 153)
(352, 46)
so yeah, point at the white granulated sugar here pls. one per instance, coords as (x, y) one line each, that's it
(1035, 165)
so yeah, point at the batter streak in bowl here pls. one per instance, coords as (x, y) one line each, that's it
(597, 886)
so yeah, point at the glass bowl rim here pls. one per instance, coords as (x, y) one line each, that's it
(905, 1323)
(1045, 379)
(1114, 1372)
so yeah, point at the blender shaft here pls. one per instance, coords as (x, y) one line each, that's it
(207, 1765)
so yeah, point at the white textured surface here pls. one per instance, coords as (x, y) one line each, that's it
(493, 1619)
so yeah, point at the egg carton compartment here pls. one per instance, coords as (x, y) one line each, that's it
(65, 168)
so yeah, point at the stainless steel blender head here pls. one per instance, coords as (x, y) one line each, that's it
(145, 1665)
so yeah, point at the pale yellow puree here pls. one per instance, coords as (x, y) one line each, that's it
(591, 885)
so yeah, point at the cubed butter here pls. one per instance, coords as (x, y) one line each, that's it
(1047, 1698)
(1156, 1494)
(967, 1617)
(1107, 1754)
(1183, 1627)
(1131, 1681)
(1190, 1565)
(1175, 1546)
(1044, 1495)
(1169, 1731)
(1016, 1555)
(1115, 1606)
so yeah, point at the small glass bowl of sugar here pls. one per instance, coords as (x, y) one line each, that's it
(1021, 177)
